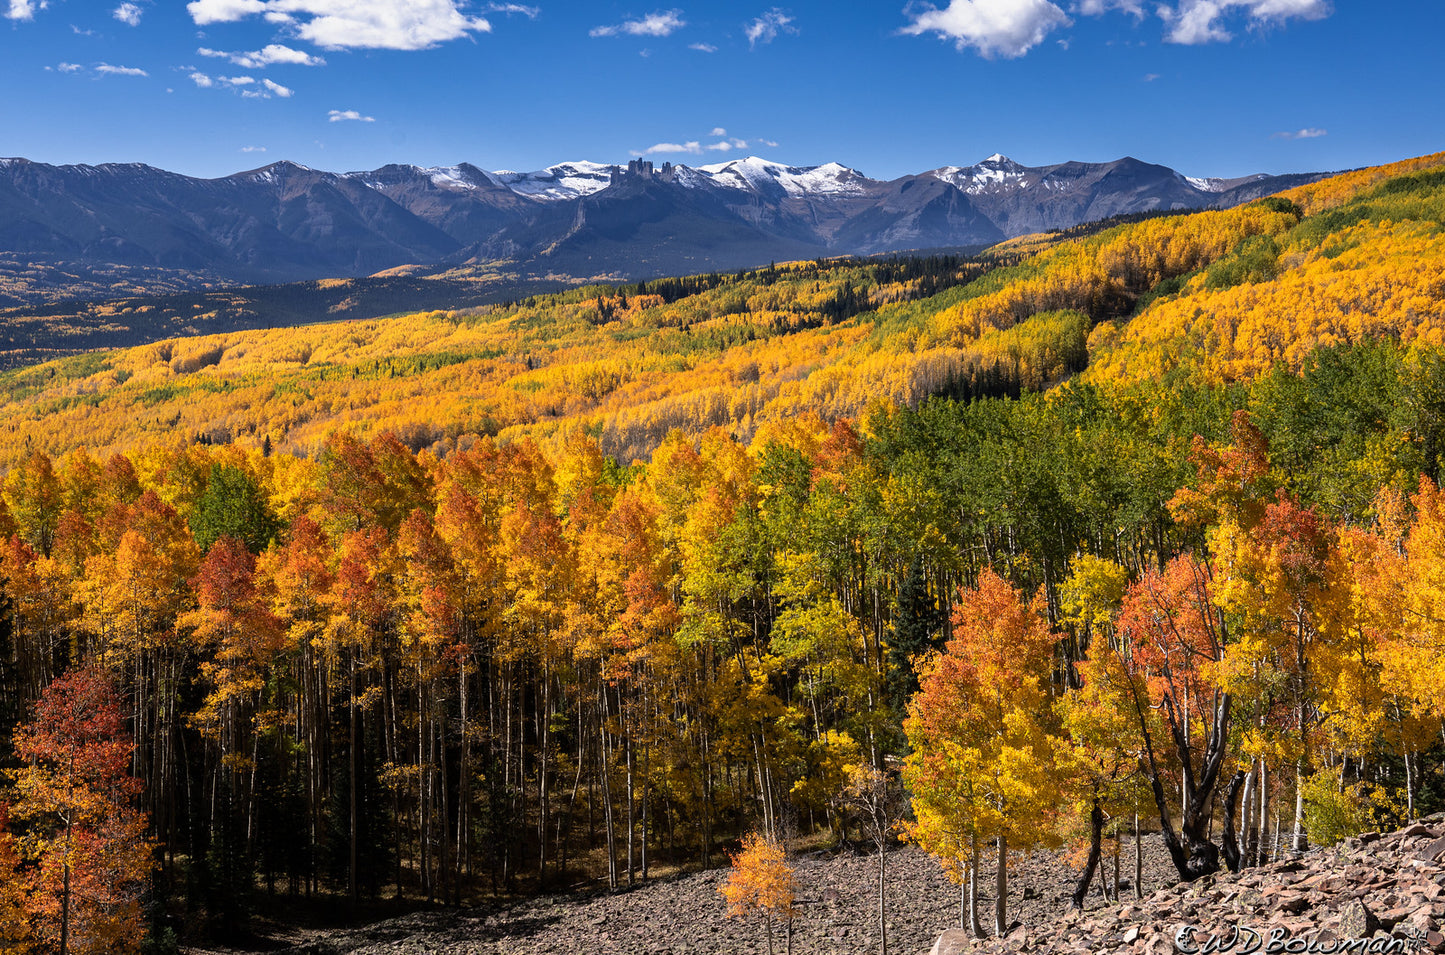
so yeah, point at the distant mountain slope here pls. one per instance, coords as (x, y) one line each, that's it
(1215, 296)
(285, 222)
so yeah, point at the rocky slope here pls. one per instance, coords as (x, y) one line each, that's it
(1379, 888)
(837, 914)
(1386, 890)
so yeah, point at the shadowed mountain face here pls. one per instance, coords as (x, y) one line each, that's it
(286, 222)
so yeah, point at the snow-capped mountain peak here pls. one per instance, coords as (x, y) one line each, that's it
(994, 173)
(757, 174)
(566, 180)
(457, 177)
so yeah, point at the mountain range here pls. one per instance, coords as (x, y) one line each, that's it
(286, 222)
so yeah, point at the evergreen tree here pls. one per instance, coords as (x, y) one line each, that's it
(915, 630)
(232, 506)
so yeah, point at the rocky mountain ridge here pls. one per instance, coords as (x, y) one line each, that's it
(287, 222)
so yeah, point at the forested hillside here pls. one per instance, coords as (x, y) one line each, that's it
(1142, 526)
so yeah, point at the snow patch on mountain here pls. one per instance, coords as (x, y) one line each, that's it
(1206, 185)
(449, 177)
(758, 175)
(566, 180)
(993, 174)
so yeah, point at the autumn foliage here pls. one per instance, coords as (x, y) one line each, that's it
(761, 881)
(484, 601)
(84, 860)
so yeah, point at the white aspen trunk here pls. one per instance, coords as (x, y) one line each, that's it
(1000, 903)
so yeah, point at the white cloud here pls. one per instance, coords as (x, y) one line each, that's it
(128, 13)
(105, 69)
(223, 11)
(340, 24)
(692, 146)
(270, 54)
(1008, 28)
(69, 67)
(1150, 77)
(531, 13)
(253, 149)
(342, 115)
(767, 142)
(1201, 21)
(24, 9)
(702, 47)
(1306, 133)
(1196, 21)
(765, 29)
(657, 23)
(697, 148)
(247, 86)
(1097, 8)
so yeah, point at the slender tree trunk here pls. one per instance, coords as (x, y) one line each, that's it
(975, 924)
(647, 818)
(1138, 860)
(65, 898)
(1300, 842)
(1096, 829)
(882, 899)
(1000, 903)
(1231, 844)
(353, 881)
(607, 798)
(1246, 814)
(1118, 839)
(631, 817)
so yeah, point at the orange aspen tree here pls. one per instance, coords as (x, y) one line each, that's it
(761, 881)
(984, 749)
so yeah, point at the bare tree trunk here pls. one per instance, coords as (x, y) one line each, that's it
(1096, 828)
(1118, 839)
(1246, 814)
(1000, 903)
(882, 896)
(1138, 860)
(607, 798)
(631, 817)
(353, 881)
(1231, 843)
(975, 925)
(1300, 842)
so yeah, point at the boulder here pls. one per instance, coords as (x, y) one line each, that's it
(1434, 852)
(955, 941)
(1357, 921)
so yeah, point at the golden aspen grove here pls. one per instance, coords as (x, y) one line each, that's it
(1136, 528)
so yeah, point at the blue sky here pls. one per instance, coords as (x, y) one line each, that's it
(1210, 87)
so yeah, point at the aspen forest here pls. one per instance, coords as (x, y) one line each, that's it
(1135, 530)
